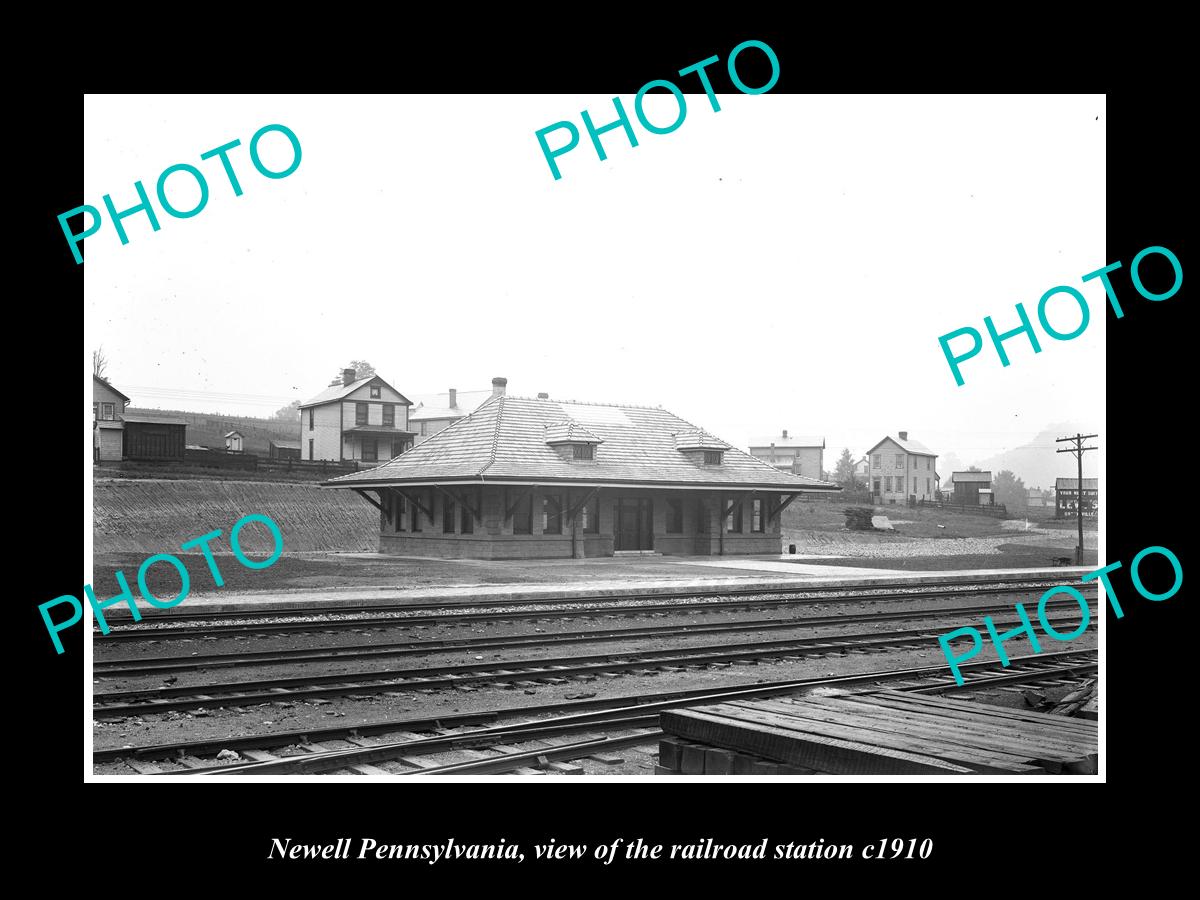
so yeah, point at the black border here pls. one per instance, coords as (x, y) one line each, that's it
(973, 832)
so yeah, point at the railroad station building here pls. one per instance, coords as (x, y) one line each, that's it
(537, 478)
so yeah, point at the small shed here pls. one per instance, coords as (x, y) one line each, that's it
(281, 449)
(969, 485)
(233, 441)
(154, 437)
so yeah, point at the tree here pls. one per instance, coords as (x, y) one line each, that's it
(844, 474)
(1010, 490)
(99, 362)
(362, 368)
(287, 413)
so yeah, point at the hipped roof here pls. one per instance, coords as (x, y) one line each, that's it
(505, 441)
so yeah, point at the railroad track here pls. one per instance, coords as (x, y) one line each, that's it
(591, 728)
(816, 590)
(476, 613)
(510, 673)
(357, 652)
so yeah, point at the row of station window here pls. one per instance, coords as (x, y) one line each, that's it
(456, 518)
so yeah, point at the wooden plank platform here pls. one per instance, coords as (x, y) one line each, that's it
(884, 733)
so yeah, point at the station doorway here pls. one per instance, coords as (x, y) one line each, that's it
(634, 524)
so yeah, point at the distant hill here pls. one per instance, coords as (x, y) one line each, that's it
(209, 429)
(1037, 464)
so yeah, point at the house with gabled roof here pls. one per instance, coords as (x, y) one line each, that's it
(363, 419)
(798, 454)
(430, 413)
(902, 470)
(534, 477)
(118, 434)
(108, 420)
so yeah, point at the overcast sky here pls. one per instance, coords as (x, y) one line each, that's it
(788, 262)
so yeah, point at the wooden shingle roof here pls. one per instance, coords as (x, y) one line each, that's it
(504, 440)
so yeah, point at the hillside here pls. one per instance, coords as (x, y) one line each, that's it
(209, 429)
(1037, 464)
(156, 516)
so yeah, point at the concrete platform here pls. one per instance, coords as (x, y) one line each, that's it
(756, 574)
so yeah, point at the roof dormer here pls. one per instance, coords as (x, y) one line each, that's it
(701, 447)
(572, 441)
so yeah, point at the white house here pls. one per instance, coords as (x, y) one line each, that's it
(108, 420)
(902, 469)
(798, 454)
(431, 413)
(364, 419)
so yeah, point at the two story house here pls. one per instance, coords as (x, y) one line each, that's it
(433, 412)
(800, 455)
(108, 423)
(902, 469)
(119, 434)
(363, 419)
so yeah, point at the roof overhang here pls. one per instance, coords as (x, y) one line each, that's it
(379, 429)
(96, 377)
(363, 484)
(911, 452)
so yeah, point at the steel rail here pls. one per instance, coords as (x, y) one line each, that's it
(241, 693)
(460, 720)
(498, 765)
(507, 762)
(1041, 667)
(991, 584)
(158, 630)
(151, 665)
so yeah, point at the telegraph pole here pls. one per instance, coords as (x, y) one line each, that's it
(1078, 449)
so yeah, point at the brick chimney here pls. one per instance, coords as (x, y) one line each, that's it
(543, 396)
(904, 435)
(453, 398)
(498, 386)
(785, 433)
(347, 376)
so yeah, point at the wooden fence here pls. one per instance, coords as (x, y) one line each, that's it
(999, 510)
(249, 462)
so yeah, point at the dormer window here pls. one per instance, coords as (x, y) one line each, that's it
(700, 447)
(572, 441)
